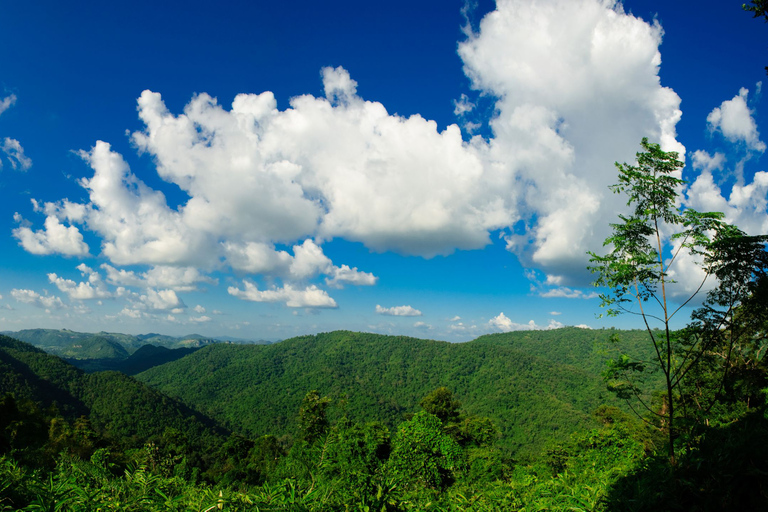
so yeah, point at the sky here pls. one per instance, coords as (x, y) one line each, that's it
(436, 169)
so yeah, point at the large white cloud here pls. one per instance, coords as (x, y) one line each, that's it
(578, 87)
(328, 167)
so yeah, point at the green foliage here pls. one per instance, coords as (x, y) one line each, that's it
(442, 404)
(423, 455)
(350, 465)
(312, 416)
(637, 271)
(533, 385)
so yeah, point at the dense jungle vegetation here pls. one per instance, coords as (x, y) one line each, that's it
(391, 423)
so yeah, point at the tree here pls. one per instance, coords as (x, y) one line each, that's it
(759, 9)
(729, 377)
(313, 422)
(637, 270)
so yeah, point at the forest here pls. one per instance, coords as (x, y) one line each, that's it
(515, 421)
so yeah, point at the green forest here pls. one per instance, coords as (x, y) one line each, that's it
(356, 421)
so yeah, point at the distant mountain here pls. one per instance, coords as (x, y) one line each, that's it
(537, 387)
(244, 341)
(118, 405)
(81, 345)
(143, 359)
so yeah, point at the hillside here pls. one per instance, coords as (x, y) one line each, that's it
(83, 345)
(118, 405)
(522, 381)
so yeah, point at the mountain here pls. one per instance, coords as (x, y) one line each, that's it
(66, 343)
(117, 404)
(143, 359)
(537, 387)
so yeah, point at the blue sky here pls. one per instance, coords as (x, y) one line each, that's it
(426, 168)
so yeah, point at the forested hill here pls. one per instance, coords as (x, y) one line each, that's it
(525, 382)
(118, 405)
(101, 345)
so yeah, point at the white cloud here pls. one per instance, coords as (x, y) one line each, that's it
(47, 302)
(199, 309)
(567, 293)
(504, 324)
(339, 86)
(7, 103)
(162, 300)
(133, 220)
(734, 120)
(200, 319)
(94, 288)
(555, 313)
(309, 297)
(180, 279)
(344, 275)
(746, 206)
(15, 153)
(131, 313)
(462, 106)
(705, 162)
(330, 169)
(422, 325)
(578, 87)
(455, 319)
(398, 311)
(55, 238)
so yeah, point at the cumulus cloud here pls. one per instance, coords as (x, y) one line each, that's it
(93, 288)
(15, 154)
(703, 161)
(344, 275)
(746, 206)
(55, 238)
(309, 297)
(733, 119)
(162, 300)
(131, 313)
(567, 293)
(47, 302)
(398, 311)
(579, 91)
(504, 324)
(180, 279)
